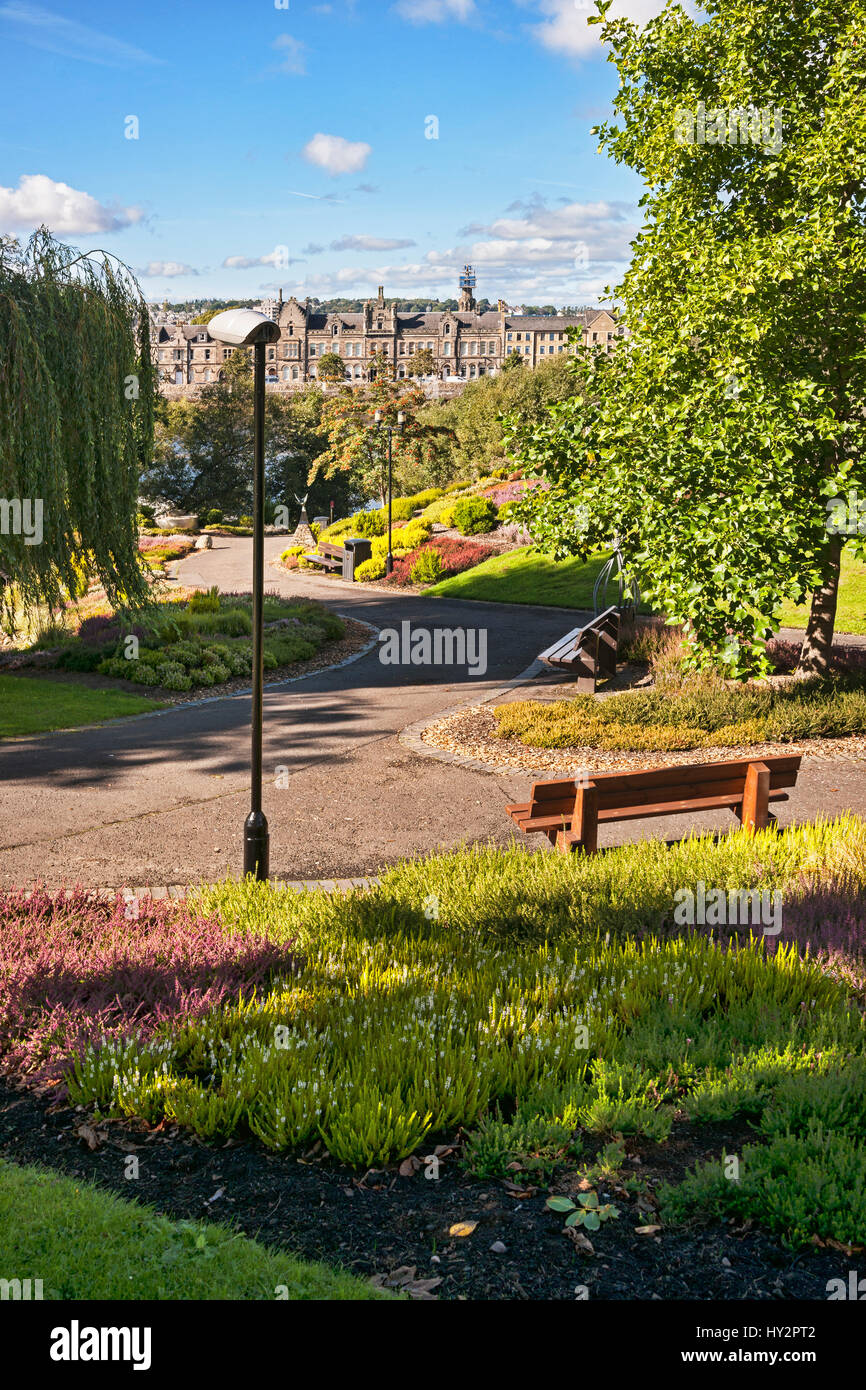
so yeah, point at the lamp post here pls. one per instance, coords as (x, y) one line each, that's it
(247, 328)
(389, 563)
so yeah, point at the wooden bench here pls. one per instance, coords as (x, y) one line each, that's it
(590, 650)
(329, 556)
(569, 812)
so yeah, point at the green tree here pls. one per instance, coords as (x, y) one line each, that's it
(77, 401)
(421, 363)
(331, 368)
(203, 454)
(715, 438)
(381, 367)
(477, 415)
(357, 447)
(514, 359)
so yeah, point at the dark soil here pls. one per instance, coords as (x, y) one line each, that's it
(387, 1225)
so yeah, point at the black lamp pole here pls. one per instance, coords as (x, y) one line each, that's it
(256, 835)
(389, 563)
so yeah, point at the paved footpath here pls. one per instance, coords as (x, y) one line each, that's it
(161, 800)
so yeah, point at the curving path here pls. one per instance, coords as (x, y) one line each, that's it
(162, 799)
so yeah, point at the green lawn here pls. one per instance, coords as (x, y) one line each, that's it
(523, 577)
(84, 1243)
(32, 706)
(851, 613)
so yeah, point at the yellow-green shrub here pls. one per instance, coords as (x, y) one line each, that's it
(371, 569)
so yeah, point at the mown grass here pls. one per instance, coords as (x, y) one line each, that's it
(522, 576)
(29, 705)
(705, 715)
(851, 610)
(84, 1243)
(525, 998)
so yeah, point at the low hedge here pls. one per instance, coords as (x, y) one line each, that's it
(715, 717)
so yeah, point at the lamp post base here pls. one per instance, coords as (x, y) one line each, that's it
(389, 564)
(257, 847)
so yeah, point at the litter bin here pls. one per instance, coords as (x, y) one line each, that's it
(321, 521)
(357, 549)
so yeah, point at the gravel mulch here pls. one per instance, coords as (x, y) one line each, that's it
(471, 733)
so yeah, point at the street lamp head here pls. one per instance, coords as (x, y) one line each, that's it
(400, 418)
(378, 417)
(243, 328)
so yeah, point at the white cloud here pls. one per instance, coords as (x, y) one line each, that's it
(435, 11)
(52, 32)
(565, 30)
(543, 232)
(370, 243)
(165, 270)
(277, 258)
(337, 155)
(293, 51)
(39, 199)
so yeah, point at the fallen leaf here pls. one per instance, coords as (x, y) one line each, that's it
(462, 1228)
(584, 1185)
(848, 1250)
(646, 1230)
(90, 1137)
(409, 1167)
(584, 1245)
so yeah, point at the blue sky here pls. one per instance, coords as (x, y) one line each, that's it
(287, 144)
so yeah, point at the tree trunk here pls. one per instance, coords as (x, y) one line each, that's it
(815, 652)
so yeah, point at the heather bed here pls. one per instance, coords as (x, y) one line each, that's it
(449, 1003)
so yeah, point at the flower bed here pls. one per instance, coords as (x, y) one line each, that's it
(456, 556)
(78, 971)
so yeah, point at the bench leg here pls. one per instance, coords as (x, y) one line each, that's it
(755, 814)
(583, 834)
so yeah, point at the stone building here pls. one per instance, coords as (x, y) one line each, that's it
(465, 344)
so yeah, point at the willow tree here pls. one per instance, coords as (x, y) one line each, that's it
(77, 397)
(714, 441)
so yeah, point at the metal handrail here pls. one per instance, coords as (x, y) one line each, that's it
(629, 596)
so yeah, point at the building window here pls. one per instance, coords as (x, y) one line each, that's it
(447, 328)
(446, 349)
(509, 337)
(294, 374)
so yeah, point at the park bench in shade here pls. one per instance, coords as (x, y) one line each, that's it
(569, 812)
(589, 651)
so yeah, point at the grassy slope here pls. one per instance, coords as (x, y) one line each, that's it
(84, 1243)
(521, 577)
(32, 706)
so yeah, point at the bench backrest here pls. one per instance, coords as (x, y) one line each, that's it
(329, 548)
(690, 780)
(605, 624)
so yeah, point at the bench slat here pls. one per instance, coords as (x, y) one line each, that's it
(523, 817)
(781, 765)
